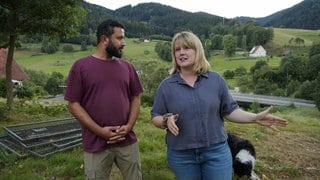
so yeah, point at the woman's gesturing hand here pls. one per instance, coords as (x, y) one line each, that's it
(264, 118)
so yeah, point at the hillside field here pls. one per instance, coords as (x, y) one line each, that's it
(30, 57)
(293, 153)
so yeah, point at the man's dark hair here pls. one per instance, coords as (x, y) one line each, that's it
(107, 28)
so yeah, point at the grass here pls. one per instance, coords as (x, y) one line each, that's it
(282, 35)
(135, 51)
(294, 153)
(61, 62)
(58, 62)
(218, 63)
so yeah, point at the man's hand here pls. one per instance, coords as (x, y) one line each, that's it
(113, 134)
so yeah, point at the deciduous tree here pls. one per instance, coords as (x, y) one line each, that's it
(229, 44)
(31, 17)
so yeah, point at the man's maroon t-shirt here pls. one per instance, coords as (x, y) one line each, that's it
(104, 89)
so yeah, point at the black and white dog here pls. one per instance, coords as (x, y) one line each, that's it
(243, 156)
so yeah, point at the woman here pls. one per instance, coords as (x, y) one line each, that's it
(191, 105)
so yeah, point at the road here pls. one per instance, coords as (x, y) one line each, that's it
(240, 97)
(271, 100)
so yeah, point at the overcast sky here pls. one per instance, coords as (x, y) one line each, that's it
(223, 8)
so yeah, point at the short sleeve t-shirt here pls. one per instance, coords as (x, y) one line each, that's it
(104, 89)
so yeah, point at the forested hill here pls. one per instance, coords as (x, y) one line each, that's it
(154, 18)
(147, 19)
(172, 19)
(305, 15)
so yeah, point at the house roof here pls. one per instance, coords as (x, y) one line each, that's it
(255, 49)
(17, 72)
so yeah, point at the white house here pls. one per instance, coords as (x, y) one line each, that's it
(257, 51)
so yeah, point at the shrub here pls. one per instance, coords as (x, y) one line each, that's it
(3, 88)
(292, 87)
(27, 90)
(53, 84)
(240, 71)
(306, 90)
(37, 77)
(67, 48)
(163, 49)
(84, 46)
(228, 74)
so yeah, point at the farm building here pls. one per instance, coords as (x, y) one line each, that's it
(286, 53)
(144, 40)
(257, 51)
(18, 75)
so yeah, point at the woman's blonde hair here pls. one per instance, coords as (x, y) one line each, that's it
(189, 39)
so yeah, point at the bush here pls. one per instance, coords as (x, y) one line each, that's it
(50, 49)
(26, 110)
(240, 71)
(263, 87)
(292, 87)
(29, 90)
(316, 94)
(3, 88)
(84, 46)
(245, 83)
(26, 90)
(54, 82)
(67, 48)
(39, 78)
(3, 111)
(306, 90)
(163, 49)
(255, 107)
(228, 74)
(49, 46)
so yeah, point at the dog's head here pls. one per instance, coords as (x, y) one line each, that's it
(242, 168)
(243, 164)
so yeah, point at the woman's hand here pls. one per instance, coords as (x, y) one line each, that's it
(171, 124)
(264, 118)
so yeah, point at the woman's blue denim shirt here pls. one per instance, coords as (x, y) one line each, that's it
(201, 109)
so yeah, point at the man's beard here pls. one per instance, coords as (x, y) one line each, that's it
(111, 50)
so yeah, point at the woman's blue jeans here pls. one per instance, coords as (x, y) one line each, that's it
(209, 163)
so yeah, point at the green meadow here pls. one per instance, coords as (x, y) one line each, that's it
(282, 36)
(292, 153)
(30, 57)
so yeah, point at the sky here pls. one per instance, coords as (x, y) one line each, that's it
(223, 8)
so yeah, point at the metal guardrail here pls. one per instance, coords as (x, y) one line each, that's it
(271, 100)
(41, 138)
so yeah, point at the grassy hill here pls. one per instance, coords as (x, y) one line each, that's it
(294, 153)
(282, 37)
(30, 57)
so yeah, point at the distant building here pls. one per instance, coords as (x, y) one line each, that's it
(144, 39)
(257, 51)
(286, 53)
(18, 75)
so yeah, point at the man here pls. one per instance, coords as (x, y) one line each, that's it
(103, 95)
